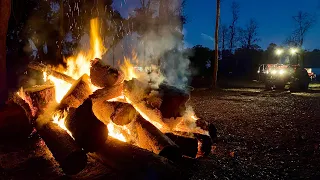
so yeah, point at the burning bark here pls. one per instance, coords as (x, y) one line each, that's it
(79, 91)
(107, 93)
(38, 97)
(118, 112)
(136, 90)
(87, 130)
(151, 138)
(104, 75)
(50, 71)
(71, 158)
(134, 161)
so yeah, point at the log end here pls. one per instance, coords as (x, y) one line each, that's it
(171, 152)
(14, 122)
(74, 163)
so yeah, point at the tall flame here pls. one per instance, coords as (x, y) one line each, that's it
(128, 69)
(96, 41)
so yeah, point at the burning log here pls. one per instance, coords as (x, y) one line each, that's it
(79, 91)
(151, 138)
(38, 97)
(107, 93)
(204, 142)
(188, 145)
(104, 75)
(133, 161)
(15, 118)
(87, 130)
(208, 127)
(173, 101)
(136, 90)
(50, 71)
(118, 112)
(71, 158)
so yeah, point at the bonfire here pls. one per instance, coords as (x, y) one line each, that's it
(118, 115)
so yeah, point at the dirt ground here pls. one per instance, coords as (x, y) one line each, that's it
(261, 135)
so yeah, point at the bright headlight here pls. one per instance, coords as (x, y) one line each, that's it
(282, 71)
(273, 72)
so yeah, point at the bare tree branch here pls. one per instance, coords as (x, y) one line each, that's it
(303, 22)
(235, 17)
(249, 35)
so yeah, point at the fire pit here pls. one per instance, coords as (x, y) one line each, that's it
(117, 117)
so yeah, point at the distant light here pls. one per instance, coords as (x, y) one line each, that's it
(279, 52)
(274, 72)
(293, 51)
(282, 71)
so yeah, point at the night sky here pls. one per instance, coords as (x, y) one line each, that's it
(274, 18)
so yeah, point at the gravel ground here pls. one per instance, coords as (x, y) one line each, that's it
(262, 134)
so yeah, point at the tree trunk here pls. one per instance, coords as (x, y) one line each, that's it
(5, 9)
(216, 52)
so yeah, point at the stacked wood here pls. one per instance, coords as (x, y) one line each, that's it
(136, 90)
(64, 149)
(133, 161)
(187, 145)
(38, 97)
(173, 101)
(87, 130)
(14, 119)
(50, 71)
(107, 93)
(104, 75)
(79, 91)
(151, 138)
(119, 113)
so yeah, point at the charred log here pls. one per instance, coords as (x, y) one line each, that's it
(208, 127)
(187, 145)
(134, 161)
(79, 91)
(118, 112)
(204, 142)
(104, 75)
(71, 158)
(50, 71)
(14, 121)
(87, 130)
(151, 138)
(39, 97)
(173, 101)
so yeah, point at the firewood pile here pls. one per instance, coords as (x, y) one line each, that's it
(124, 124)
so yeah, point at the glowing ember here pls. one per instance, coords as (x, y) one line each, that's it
(119, 98)
(114, 131)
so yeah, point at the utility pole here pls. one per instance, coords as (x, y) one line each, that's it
(216, 45)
